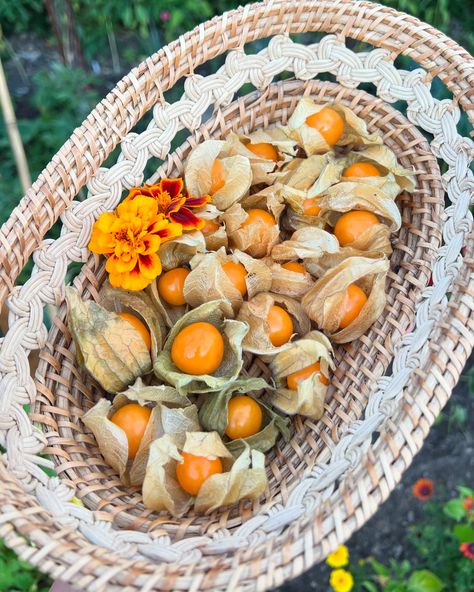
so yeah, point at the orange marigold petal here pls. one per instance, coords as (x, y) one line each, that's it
(105, 221)
(173, 186)
(175, 205)
(197, 202)
(152, 243)
(187, 219)
(101, 243)
(119, 264)
(142, 207)
(172, 230)
(150, 265)
(133, 280)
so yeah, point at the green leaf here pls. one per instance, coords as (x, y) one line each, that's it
(379, 568)
(369, 586)
(454, 509)
(465, 491)
(424, 581)
(464, 533)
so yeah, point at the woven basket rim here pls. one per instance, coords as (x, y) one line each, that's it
(458, 337)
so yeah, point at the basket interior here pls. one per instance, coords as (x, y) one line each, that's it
(65, 392)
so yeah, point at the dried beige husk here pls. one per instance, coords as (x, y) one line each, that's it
(323, 303)
(142, 306)
(108, 347)
(233, 332)
(287, 282)
(263, 169)
(208, 280)
(255, 239)
(306, 243)
(244, 478)
(355, 130)
(255, 314)
(236, 175)
(214, 412)
(218, 238)
(179, 251)
(308, 398)
(112, 440)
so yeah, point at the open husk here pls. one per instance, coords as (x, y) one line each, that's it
(323, 303)
(179, 251)
(355, 130)
(306, 243)
(112, 440)
(107, 346)
(254, 239)
(213, 416)
(236, 176)
(243, 478)
(233, 332)
(309, 397)
(208, 280)
(139, 304)
(287, 282)
(263, 170)
(218, 238)
(255, 314)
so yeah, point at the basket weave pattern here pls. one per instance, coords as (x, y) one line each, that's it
(309, 509)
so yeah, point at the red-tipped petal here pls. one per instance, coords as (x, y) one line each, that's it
(173, 186)
(175, 205)
(187, 219)
(197, 202)
(173, 230)
(150, 265)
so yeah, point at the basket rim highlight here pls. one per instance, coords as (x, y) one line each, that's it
(267, 562)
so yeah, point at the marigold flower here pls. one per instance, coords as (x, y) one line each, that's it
(467, 549)
(423, 489)
(173, 202)
(339, 558)
(130, 238)
(468, 503)
(341, 580)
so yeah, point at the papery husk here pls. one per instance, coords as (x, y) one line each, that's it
(253, 239)
(213, 415)
(246, 480)
(386, 161)
(170, 314)
(237, 173)
(108, 347)
(179, 251)
(217, 239)
(345, 197)
(381, 245)
(112, 440)
(157, 393)
(355, 129)
(263, 170)
(161, 490)
(232, 332)
(308, 398)
(306, 243)
(292, 220)
(208, 280)
(287, 282)
(139, 304)
(323, 303)
(255, 314)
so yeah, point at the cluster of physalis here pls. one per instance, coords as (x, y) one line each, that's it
(277, 247)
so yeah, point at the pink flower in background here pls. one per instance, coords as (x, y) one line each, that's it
(165, 15)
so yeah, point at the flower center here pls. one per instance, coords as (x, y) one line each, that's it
(129, 242)
(163, 200)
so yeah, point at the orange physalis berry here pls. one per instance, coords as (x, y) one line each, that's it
(194, 470)
(310, 208)
(264, 150)
(237, 274)
(294, 266)
(281, 326)
(139, 326)
(328, 123)
(244, 417)
(210, 226)
(198, 349)
(351, 225)
(292, 380)
(217, 173)
(133, 419)
(171, 286)
(260, 218)
(353, 302)
(361, 169)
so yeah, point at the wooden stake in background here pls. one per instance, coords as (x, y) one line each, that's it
(13, 133)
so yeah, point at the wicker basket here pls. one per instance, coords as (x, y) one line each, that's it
(389, 386)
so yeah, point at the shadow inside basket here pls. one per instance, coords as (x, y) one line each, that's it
(65, 392)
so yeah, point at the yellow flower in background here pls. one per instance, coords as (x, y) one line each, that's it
(130, 238)
(76, 501)
(339, 558)
(341, 580)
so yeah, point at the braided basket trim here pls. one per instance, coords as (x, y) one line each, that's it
(24, 443)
